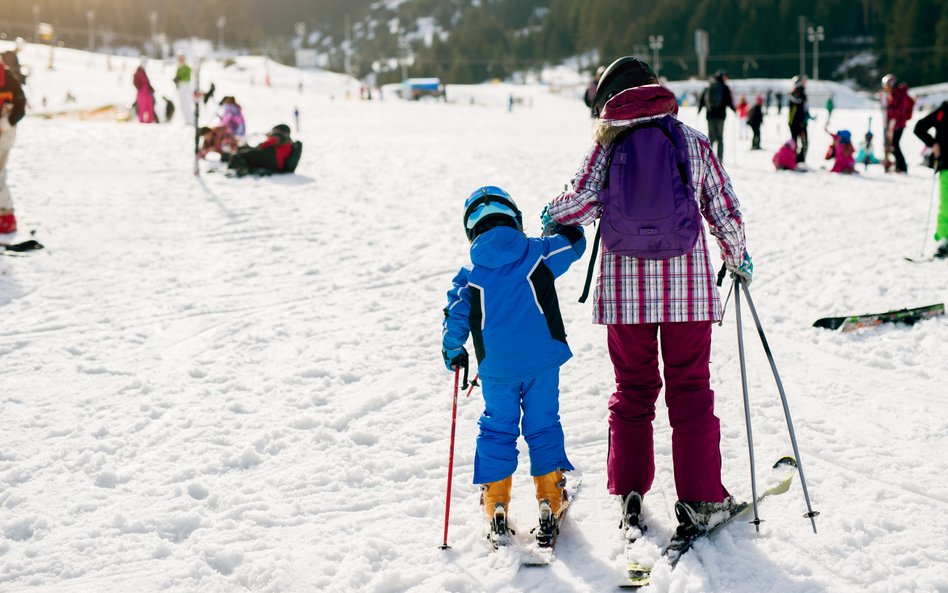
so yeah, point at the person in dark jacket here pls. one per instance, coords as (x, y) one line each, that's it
(755, 119)
(938, 119)
(270, 156)
(716, 99)
(799, 116)
(506, 302)
(12, 110)
(11, 59)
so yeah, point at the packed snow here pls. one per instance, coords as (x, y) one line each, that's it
(216, 384)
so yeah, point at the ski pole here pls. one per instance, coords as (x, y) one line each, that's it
(747, 417)
(811, 514)
(473, 384)
(447, 500)
(931, 209)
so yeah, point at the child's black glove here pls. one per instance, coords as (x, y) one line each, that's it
(456, 357)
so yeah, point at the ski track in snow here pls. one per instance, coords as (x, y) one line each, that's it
(227, 385)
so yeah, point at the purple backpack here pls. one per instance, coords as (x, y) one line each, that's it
(649, 207)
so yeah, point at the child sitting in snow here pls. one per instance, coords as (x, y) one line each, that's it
(506, 301)
(785, 159)
(842, 152)
(865, 154)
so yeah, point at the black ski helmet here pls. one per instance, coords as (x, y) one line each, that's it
(622, 74)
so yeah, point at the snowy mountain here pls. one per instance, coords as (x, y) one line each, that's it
(216, 384)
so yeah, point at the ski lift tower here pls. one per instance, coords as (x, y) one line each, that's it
(702, 50)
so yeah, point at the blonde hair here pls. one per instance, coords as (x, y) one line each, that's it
(605, 134)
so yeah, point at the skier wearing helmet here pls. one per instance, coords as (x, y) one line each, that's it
(649, 179)
(898, 111)
(506, 301)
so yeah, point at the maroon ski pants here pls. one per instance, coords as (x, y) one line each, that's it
(696, 431)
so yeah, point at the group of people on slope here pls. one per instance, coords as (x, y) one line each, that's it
(278, 153)
(145, 103)
(656, 286)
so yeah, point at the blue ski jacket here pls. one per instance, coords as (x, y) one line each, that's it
(506, 300)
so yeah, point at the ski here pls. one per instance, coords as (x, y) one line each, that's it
(537, 555)
(904, 316)
(638, 575)
(16, 248)
(922, 260)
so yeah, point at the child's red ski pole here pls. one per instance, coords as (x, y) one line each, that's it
(454, 416)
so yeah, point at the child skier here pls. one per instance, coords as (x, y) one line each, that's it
(785, 159)
(865, 154)
(841, 151)
(507, 301)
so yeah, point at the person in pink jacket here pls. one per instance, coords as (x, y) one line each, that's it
(660, 298)
(146, 95)
(785, 159)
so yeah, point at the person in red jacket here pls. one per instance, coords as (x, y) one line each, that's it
(12, 110)
(898, 111)
(271, 155)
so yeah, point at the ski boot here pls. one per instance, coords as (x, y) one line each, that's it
(632, 523)
(942, 251)
(696, 519)
(495, 497)
(552, 500)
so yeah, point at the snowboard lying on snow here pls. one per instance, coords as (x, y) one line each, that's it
(904, 316)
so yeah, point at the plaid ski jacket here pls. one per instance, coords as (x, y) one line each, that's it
(632, 290)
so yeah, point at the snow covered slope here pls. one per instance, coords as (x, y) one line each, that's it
(235, 385)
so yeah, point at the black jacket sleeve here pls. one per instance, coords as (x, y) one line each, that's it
(12, 86)
(928, 122)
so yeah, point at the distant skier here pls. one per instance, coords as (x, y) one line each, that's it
(866, 154)
(232, 117)
(742, 107)
(755, 119)
(273, 155)
(182, 80)
(785, 159)
(12, 110)
(798, 116)
(145, 101)
(716, 99)
(506, 301)
(842, 152)
(938, 119)
(899, 107)
(657, 284)
(11, 59)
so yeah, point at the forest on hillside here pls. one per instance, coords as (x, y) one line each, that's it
(464, 41)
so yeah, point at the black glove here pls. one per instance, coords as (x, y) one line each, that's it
(456, 357)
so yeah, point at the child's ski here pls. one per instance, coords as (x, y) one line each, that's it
(638, 575)
(538, 555)
(905, 316)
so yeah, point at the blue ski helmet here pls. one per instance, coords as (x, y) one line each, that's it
(845, 136)
(490, 203)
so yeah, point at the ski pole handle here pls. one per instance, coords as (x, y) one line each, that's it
(721, 274)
